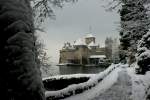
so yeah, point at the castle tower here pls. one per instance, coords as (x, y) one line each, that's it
(89, 38)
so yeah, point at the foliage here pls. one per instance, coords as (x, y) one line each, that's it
(122, 56)
(134, 24)
(43, 59)
(53, 84)
(20, 75)
(143, 54)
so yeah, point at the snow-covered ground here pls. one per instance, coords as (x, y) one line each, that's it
(72, 89)
(140, 84)
(105, 89)
(119, 82)
(120, 90)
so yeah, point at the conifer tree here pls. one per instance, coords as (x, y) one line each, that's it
(134, 24)
(143, 54)
(20, 77)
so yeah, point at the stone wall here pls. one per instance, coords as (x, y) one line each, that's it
(79, 55)
(68, 55)
(83, 53)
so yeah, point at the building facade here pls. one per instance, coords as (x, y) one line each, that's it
(83, 51)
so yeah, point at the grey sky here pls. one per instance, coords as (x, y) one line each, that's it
(73, 22)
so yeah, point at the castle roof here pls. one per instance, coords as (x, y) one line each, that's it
(89, 36)
(80, 41)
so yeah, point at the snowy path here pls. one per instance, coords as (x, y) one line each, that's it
(121, 90)
(116, 86)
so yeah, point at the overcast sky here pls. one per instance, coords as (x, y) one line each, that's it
(73, 22)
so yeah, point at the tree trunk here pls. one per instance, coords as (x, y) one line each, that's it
(20, 77)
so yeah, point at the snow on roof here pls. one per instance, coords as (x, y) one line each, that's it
(92, 44)
(97, 56)
(89, 36)
(80, 41)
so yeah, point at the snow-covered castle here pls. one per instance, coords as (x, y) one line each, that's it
(83, 51)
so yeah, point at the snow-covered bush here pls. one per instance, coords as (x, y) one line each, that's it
(53, 83)
(143, 54)
(81, 87)
(19, 75)
(134, 24)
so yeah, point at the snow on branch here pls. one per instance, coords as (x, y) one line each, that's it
(45, 9)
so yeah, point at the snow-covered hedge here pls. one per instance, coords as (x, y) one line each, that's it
(81, 87)
(53, 84)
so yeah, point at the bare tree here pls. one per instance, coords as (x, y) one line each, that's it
(43, 59)
(45, 9)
